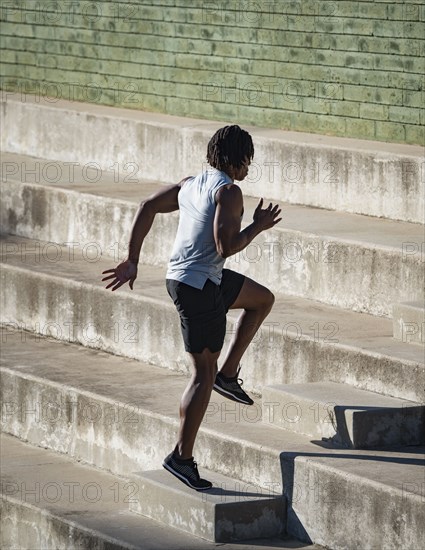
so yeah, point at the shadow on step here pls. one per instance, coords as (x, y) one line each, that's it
(285, 543)
(256, 493)
(287, 459)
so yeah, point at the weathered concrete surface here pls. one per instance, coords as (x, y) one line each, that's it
(347, 416)
(350, 261)
(366, 177)
(128, 423)
(229, 511)
(345, 502)
(49, 501)
(70, 399)
(80, 409)
(301, 341)
(27, 526)
(409, 322)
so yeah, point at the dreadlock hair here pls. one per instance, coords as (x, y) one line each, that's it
(228, 147)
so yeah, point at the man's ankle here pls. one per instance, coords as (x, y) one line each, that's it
(227, 375)
(179, 456)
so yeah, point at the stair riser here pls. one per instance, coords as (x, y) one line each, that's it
(312, 491)
(351, 429)
(222, 522)
(149, 330)
(120, 437)
(347, 513)
(59, 216)
(409, 323)
(336, 273)
(24, 526)
(308, 171)
(350, 276)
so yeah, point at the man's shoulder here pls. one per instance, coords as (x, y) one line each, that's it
(184, 180)
(228, 192)
(216, 176)
(229, 198)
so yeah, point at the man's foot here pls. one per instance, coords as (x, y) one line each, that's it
(231, 388)
(186, 471)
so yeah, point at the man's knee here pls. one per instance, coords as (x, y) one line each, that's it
(205, 377)
(268, 299)
(205, 364)
(272, 298)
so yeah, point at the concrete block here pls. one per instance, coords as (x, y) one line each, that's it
(350, 261)
(348, 417)
(114, 421)
(128, 422)
(415, 133)
(230, 511)
(294, 167)
(387, 484)
(409, 322)
(28, 526)
(50, 501)
(346, 511)
(300, 341)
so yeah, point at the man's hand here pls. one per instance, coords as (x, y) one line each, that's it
(266, 218)
(124, 272)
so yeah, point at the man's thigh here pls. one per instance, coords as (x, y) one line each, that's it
(230, 287)
(252, 295)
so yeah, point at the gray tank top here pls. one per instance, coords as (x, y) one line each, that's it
(194, 258)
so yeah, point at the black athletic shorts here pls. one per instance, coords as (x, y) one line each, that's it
(203, 312)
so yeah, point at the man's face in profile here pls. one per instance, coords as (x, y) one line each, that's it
(240, 173)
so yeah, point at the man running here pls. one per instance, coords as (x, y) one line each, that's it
(209, 231)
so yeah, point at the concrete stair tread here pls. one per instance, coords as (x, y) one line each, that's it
(346, 416)
(49, 363)
(75, 488)
(358, 229)
(161, 119)
(367, 333)
(341, 395)
(223, 486)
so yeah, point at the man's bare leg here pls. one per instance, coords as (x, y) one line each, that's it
(195, 400)
(256, 301)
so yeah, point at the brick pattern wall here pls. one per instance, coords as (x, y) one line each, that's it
(337, 67)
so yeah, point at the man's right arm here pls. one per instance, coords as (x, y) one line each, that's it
(165, 200)
(161, 202)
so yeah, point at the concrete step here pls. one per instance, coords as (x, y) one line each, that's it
(347, 416)
(409, 322)
(227, 512)
(51, 501)
(365, 177)
(72, 400)
(122, 415)
(350, 261)
(300, 341)
(344, 503)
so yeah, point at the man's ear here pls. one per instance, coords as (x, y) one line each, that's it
(230, 171)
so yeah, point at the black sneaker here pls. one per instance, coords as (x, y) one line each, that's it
(186, 471)
(231, 388)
